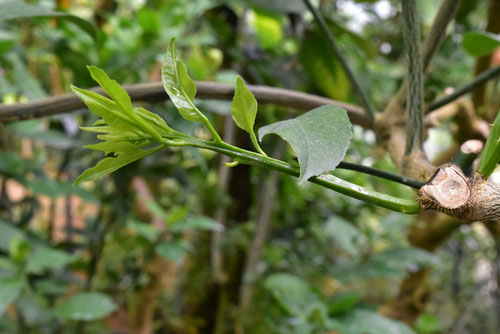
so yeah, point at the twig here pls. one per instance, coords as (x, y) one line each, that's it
(478, 81)
(437, 32)
(154, 92)
(369, 111)
(382, 173)
(411, 34)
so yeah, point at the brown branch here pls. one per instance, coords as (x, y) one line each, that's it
(154, 92)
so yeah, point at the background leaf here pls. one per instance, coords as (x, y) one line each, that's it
(293, 294)
(9, 291)
(362, 321)
(478, 44)
(18, 9)
(322, 67)
(319, 138)
(87, 306)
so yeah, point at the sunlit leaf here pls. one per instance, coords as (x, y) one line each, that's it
(319, 138)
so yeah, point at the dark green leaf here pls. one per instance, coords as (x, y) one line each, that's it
(319, 138)
(87, 306)
(244, 107)
(491, 151)
(9, 291)
(478, 44)
(18, 9)
(343, 302)
(109, 165)
(178, 85)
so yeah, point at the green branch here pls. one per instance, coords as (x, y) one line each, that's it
(326, 180)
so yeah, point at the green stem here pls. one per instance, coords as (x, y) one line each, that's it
(327, 180)
(255, 143)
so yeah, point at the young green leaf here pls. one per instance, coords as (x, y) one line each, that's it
(108, 147)
(122, 100)
(244, 107)
(105, 108)
(491, 152)
(244, 110)
(109, 165)
(178, 85)
(319, 138)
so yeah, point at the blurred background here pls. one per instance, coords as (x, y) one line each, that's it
(175, 243)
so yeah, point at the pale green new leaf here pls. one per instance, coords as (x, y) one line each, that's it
(244, 107)
(109, 165)
(319, 138)
(105, 108)
(179, 86)
(122, 100)
(491, 152)
(96, 129)
(113, 89)
(108, 147)
(154, 120)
